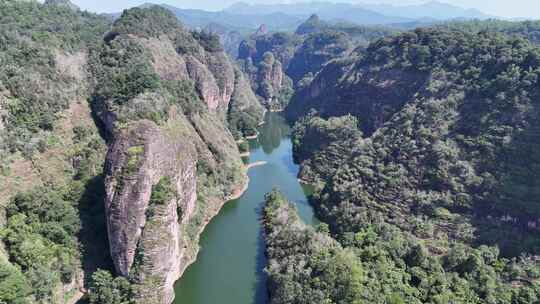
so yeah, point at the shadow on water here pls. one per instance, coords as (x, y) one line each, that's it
(289, 163)
(272, 132)
(261, 290)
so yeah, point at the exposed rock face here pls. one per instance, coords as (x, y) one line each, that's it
(136, 161)
(316, 51)
(270, 78)
(264, 58)
(278, 62)
(214, 77)
(343, 88)
(175, 130)
(262, 30)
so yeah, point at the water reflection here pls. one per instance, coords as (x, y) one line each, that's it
(272, 132)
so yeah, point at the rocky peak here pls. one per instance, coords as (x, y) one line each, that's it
(262, 30)
(312, 25)
(63, 3)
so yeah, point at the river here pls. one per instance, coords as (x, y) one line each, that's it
(229, 267)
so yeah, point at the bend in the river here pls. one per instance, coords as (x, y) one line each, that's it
(229, 267)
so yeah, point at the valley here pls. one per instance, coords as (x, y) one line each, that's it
(230, 265)
(341, 153)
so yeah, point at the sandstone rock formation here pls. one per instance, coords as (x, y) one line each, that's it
(175, 129)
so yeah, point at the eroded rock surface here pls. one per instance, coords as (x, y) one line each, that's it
(175, 129)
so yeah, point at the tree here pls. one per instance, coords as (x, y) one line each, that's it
(14, 288)
(104, 289)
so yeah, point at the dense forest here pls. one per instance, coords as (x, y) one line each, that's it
(527, 29)
(424, 147)
(52, 161)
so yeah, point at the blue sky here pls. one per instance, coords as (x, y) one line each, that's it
(505, 8)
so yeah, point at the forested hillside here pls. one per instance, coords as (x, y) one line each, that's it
(121, 139)
(52, 222)
(425, 146)
(305, 264)
(527, 29)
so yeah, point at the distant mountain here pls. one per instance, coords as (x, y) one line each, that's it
(433, 9)
(364, 13)
(195, 18)
(244, 17)
(313, 24)
(325, 10)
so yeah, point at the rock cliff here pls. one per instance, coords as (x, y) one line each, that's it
(280, 62)
(172, 160)
(264, 57)
(352, 86)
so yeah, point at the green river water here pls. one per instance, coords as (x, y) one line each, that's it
(229, 267)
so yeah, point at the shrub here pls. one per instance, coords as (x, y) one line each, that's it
(105, 289)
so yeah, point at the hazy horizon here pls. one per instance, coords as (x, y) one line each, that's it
(501, 8)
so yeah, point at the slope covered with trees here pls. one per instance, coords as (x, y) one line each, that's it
(425, 146)
(526, 29)
(51, 221)
(306, 265)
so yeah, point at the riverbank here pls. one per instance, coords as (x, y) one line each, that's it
(230, 264)
(254, 136)
(256, 164)
(190, 256)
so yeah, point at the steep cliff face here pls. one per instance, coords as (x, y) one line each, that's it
(353, 86)
(316, 51)
(279, 62)
(143, 231)
(172, 160)
(264, 57)
(271, 80)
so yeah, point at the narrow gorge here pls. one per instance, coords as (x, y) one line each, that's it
(230, 266)
(159, 156)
